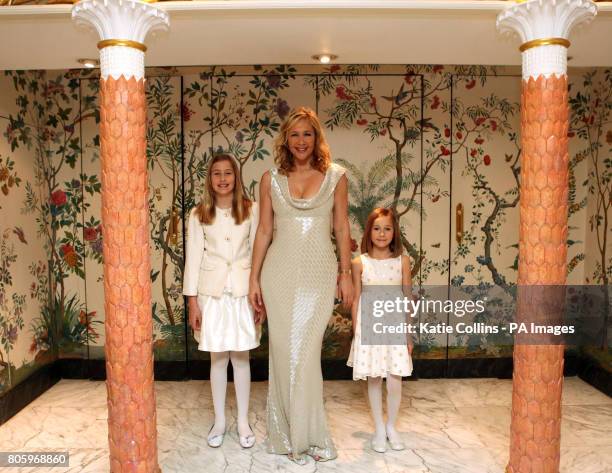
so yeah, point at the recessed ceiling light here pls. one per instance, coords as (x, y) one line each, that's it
(325, 58)
(89, 63)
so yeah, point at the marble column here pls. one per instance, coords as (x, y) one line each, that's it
(122, 26)
(544, 27)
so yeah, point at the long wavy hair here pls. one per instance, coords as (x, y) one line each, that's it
(284, 160)
(366, 241)
(241, 206)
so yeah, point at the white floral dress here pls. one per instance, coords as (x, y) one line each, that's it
(378, 360)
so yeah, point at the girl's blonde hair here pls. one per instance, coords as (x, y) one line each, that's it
(241, 206)
(284, 160)
(396, 244)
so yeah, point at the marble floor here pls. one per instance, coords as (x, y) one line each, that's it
(448, 425)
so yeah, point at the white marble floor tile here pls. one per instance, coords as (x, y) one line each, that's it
(448, 426)
(586, 425)
(73, 393)
(458, 460)
(426, 393)
(479, 392)
(578, 393)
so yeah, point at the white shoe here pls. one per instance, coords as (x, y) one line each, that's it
(246, 441)
(397, 444)
(215, 441)
(379, 446)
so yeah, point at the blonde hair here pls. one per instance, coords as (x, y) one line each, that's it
(241, 206)
(366, 241)
(284, 160)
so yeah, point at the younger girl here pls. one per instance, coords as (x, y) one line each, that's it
(220, 236)
(381, 264)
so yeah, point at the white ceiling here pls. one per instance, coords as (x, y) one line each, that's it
(224, 32)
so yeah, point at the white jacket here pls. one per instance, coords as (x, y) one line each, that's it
(213, 251)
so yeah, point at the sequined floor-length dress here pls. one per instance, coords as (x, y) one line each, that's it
(298, 282)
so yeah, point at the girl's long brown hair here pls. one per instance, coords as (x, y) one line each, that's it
(396, 243)
(321, 157)
(241, 206)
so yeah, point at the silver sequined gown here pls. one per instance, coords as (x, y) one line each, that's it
(298, 282)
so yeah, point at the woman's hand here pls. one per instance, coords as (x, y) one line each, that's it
(256, 300)
(345, 290)
(195, 314)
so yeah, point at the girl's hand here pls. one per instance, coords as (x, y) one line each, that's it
(410, 348)
(345, 290)
(195, 315)
(256, 299)
(260, 317)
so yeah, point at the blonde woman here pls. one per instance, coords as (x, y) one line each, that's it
(301, 200)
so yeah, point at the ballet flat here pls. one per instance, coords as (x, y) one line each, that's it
(247, 441)
(380, 447)
(397, 445)
(215, 441)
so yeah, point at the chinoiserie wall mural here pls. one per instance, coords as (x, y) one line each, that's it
(439, 144)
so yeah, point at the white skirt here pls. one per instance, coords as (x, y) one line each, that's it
(377, 361)
(227, 324)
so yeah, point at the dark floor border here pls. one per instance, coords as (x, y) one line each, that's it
(26, 391)
(332, 369)
(590, 371)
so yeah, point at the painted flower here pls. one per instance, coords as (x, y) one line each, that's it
(239, 137)
(186, 112)
(486, 159)
(447, 132)
(58, 198)
(274, 80)
(445, 151)
(341, 93)
(90, 234)
(479, 121)
(470, 84)
(609, 137)
(281, 107)
(473, 153)
(362, 122)
(479, 141)
(75, 183)
(66, 249)
(409, 78)
(493, 125)
(459, 135)
(436, 102)
(96, 247)
(334, 68)
(372, 101)
(12, 334)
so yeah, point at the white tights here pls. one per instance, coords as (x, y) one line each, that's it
(394, 398)
(242, 384)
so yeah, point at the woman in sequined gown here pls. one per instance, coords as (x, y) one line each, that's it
(301, 200)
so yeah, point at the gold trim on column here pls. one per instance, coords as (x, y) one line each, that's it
(544, 42)
(122, 42)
